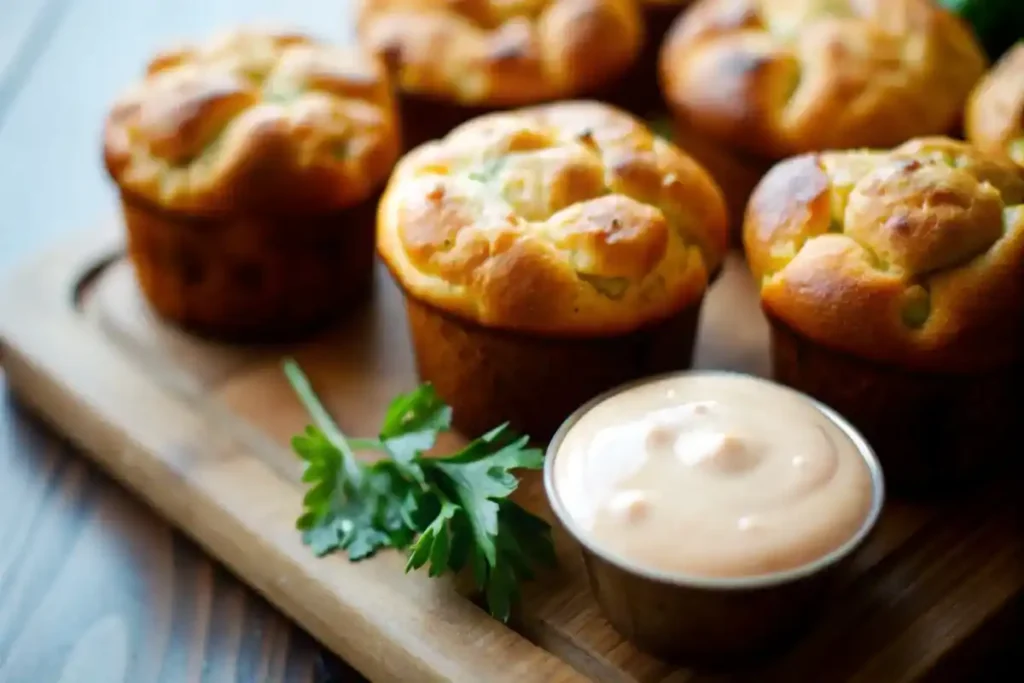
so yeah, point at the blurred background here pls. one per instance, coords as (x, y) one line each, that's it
(62, 62)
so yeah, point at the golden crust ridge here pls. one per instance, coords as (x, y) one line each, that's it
(994, 116)
(781, 77)
(913, 256)
(258, 119)
(502, 53)
(562, 219)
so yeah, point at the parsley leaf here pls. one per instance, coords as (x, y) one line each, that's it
(411, 426)
(343, 514)
(479, 476)
(448, 512)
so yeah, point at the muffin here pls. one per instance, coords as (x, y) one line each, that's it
(894, 285)
(453, 61)
(994, 118)
(768, 79)
(548, 254)
(249, 170)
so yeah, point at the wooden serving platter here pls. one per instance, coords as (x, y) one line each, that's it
(200, 431)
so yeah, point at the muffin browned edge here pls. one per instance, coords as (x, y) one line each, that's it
(251, 276)
(490, 376)
(934, 433)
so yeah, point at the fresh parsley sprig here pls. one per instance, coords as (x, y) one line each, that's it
(448, 512)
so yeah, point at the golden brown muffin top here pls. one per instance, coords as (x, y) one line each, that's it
(563, 219)
(254, 119)
(502, 52)
(913, 256)
(994, 119)
(781, 77)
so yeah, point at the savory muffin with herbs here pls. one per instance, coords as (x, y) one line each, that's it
(452, 61)
(548, 254)
(767, 79)
(994, 118)
(894, 284)
(248, 170)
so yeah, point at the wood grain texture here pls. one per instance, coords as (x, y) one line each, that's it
(931, 579)
(206, 480)
(94, 587)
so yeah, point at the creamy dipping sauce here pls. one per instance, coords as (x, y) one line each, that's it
(712, 475)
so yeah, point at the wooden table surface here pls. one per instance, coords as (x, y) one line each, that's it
(94, 588)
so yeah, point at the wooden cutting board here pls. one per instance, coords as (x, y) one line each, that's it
(200, 431)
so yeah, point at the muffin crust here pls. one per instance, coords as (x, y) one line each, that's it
(913, 256)
(568, 219)
(781, 77)
(254, 120)
(994, 119)
(502, 53)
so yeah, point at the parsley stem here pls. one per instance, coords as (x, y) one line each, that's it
(366, 444)
(304, 390)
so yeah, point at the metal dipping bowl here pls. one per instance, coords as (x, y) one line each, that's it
(702, 619)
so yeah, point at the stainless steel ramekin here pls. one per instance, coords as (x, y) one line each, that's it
(675, 616)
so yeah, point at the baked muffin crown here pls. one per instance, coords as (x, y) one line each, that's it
(994, 117)
(502, 52)
(913, 256)
(264, 120)
(566, 219)
(781, 77)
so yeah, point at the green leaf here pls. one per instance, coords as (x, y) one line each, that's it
(484, 444)
(306, 521)
(367, 519)
(411, 426)
(532, 534)
(478, 477)
(364, 542)
(480, 569)
(502, 590)
(319, 495)
(385, 482)
(420, 550)
(322, 465)
(322, 539)
(421, 409)
(365, 444)
(446, 511)
(312, 474)
(441, 550)
(415, 509)
(434, 544)
(462, 542)
(523, 543)
(328, 430)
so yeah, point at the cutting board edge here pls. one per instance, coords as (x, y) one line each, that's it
(39, 299)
